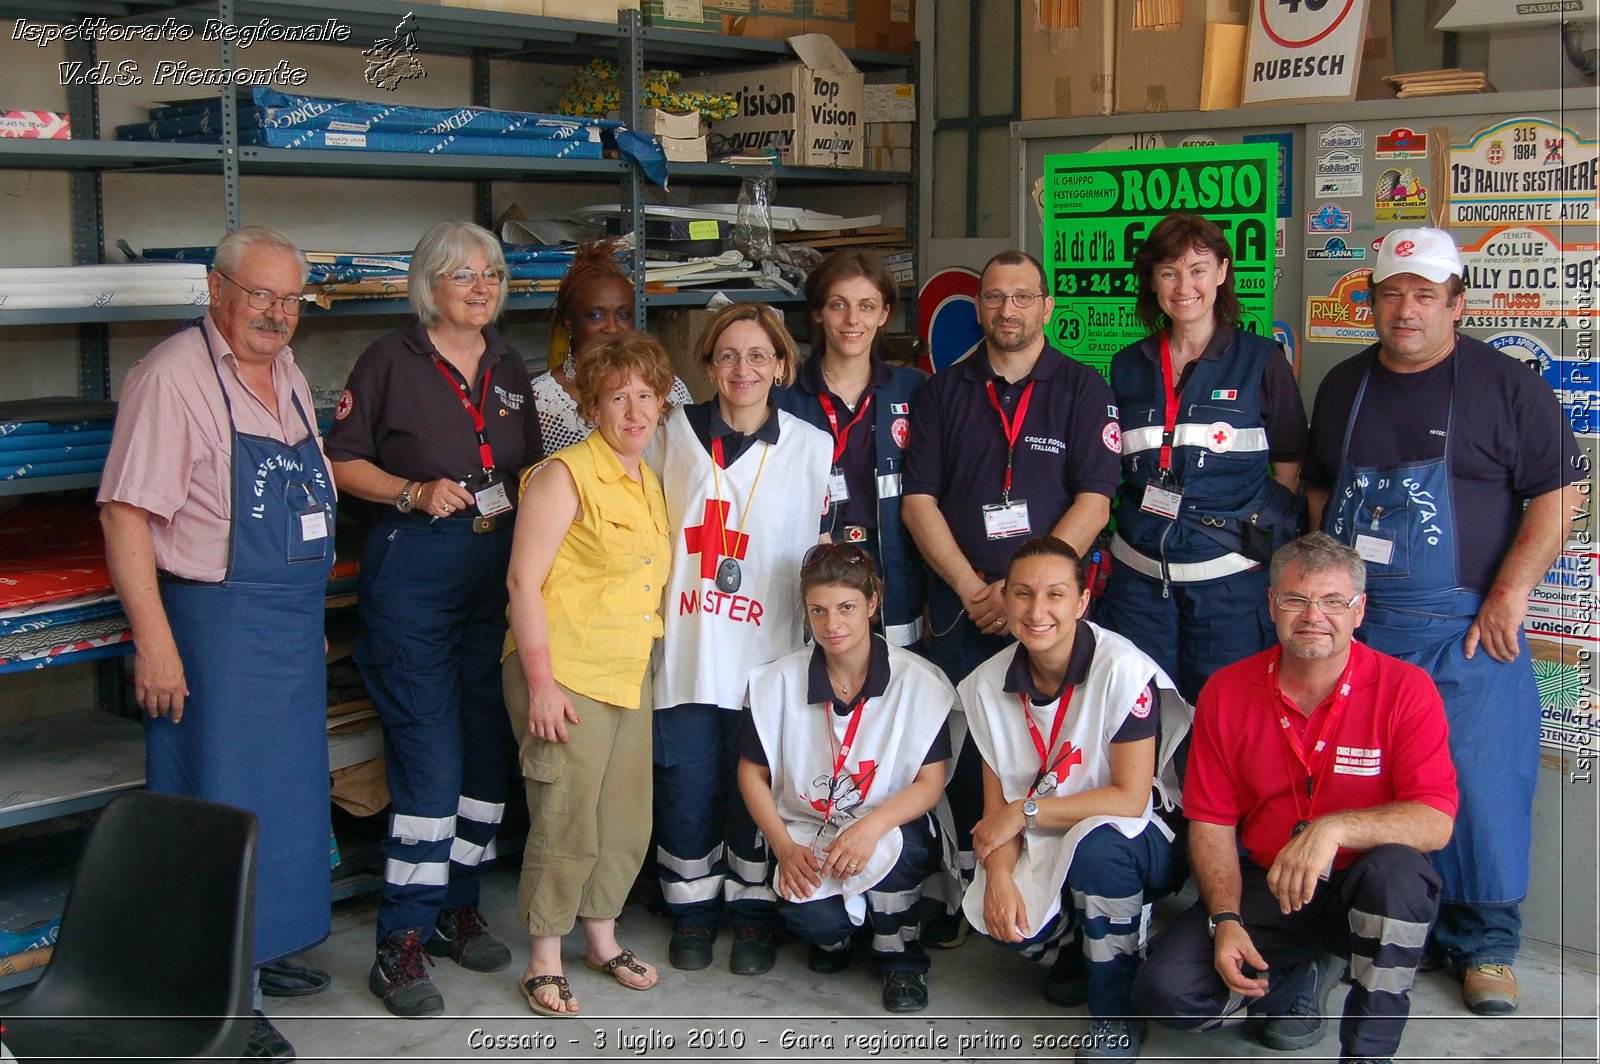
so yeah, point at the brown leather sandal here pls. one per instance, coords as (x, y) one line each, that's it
(627, 960)
(563, 991)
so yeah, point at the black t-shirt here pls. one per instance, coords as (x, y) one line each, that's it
(401, 414)
(1511, 439)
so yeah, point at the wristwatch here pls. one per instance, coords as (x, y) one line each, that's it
(1221, 918)
(1030, 812)
(404, 502)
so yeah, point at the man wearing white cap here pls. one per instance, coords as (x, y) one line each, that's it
(1452, 471)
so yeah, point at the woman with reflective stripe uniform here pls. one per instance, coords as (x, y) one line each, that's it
(846, 390)
(1077, 730)
(745, 484)
(842, 763)
(1213, 432)
(435, 422)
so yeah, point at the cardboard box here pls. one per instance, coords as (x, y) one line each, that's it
(589, 10)
(887, 146)
(1068, 47)
(835, 19)
(1222, 75)
(684, 149)
(889, 103)
(886, 25)
(810, 110)
(36, 125)
(684, 125)
(520, 7)
(1157, 41)
(768, 20)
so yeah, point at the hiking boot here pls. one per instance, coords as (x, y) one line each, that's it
(400, 978)
(825, 961)
(1066, 985)
(461, 935)
(754, 951)
(265, 1042)
(690, 948)
(1113, 1040)
(905, 991)
(945, 931)
(1303, 1026)
(1490, 989)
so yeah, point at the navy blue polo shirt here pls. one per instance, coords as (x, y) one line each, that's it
(1283, 412)
(860, 459)
(399, 413)
(1069, 445)
(1019, 680)
(819, 691)
(1511, 440)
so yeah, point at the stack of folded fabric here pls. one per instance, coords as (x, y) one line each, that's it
(283, 120)
(56, 600)
(124, 285)
(54, 436)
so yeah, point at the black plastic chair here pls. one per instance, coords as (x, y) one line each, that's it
(154, 958)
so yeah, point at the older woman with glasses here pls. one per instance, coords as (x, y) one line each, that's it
(745, 484)
(435, 423)
(842, 763)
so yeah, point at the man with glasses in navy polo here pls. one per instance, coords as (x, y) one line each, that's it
(1015, 441)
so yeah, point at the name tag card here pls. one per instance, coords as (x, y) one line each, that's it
(1003, 520)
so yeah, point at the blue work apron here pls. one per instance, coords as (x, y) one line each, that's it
(253, 732)
(1418, 611)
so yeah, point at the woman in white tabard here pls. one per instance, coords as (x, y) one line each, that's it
(746, 487)
(842, 764)
(1077, 728)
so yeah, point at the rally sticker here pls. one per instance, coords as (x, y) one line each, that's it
(1328, 218)
(347, 403)
(1335, 248)
(1400, 197)
(1341, 136)
(1402, 143)
(1344, 315)
(1527, 170)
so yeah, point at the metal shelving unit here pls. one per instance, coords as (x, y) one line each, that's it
(482, 36)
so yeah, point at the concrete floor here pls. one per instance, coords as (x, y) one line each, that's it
(985, 1005)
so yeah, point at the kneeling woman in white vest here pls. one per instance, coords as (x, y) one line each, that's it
(842, 764)
(1077, 728)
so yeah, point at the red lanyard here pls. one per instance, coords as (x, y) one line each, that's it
(485, 453)
(1046, 766)
(840, 438)
(716, 453)
(1171, 422)
(1312, 760)
(1013, 429)
(844, 752)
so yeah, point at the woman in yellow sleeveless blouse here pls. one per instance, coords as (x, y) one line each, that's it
(588, 567)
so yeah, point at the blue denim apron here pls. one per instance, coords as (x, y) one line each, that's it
(1418, 611)
(253, 732)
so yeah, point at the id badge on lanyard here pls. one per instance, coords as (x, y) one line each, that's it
(308, 524)
(1159, 498)
(838, 489)
(1008, 518)
(492, 498)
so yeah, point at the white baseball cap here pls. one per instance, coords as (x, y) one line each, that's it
(1429, 253)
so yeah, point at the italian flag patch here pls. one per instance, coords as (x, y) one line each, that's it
(1226, 394)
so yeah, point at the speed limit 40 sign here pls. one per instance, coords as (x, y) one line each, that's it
(1304, 50)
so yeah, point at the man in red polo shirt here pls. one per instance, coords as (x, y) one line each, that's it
(1326, 764)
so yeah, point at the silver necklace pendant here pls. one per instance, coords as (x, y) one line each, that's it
(728, 576)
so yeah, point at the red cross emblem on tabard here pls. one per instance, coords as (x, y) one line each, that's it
(711, 539)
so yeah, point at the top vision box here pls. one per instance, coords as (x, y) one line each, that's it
(809, 110)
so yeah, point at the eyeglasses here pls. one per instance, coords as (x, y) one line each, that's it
(1020, 300)
(845, 553)
(755, 359)
(1328, 607)
(263, 298)
(467, 278)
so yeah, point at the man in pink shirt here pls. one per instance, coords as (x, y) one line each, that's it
(218, 515)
